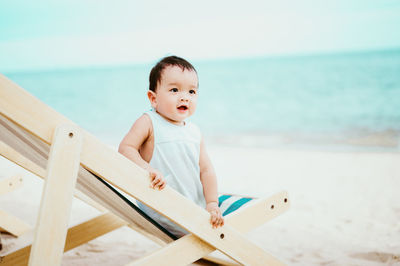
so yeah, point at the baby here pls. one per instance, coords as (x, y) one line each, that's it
(170, 148)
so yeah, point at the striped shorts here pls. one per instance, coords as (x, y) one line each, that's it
(230, 203)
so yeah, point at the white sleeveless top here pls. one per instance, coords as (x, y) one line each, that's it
(176, 155)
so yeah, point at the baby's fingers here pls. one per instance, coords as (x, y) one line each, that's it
(214, 219)
(158, 183)
(155, 183)
(218, 220)
(162, 185)
(221, 220)
(152, 176)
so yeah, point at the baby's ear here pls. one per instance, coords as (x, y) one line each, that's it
(152, 98)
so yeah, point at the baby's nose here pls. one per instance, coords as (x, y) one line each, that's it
(184, 97)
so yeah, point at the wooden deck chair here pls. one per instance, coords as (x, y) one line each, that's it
(37, 138)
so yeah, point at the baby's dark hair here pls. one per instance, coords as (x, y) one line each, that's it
(156, 71)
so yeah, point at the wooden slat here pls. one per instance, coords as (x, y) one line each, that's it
(55, 207)
(18, 258)
(92, 229)
(76, 236)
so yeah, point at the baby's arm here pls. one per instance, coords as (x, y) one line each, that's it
(210, 188)
(130, 145)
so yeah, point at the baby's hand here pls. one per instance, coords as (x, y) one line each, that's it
(216, 218)
(157, 180)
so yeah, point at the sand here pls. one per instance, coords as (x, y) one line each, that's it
(345, 206)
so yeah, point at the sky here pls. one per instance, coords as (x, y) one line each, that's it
(47, 34)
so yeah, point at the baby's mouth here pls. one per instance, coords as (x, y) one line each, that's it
(182, 107)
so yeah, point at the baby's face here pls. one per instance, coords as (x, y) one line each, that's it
(176, 94)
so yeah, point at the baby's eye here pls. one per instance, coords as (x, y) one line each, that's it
(174, 90)
(192, 92)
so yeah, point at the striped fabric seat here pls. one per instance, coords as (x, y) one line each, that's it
(230, 203)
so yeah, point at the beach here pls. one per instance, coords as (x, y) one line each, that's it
(325, 128)
(345, 206)
(297, 97)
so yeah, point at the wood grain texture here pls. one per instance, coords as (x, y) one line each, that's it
(55, 207)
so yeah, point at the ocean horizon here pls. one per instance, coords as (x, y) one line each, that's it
(347, 100)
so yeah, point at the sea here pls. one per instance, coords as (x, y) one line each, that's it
(339, 101)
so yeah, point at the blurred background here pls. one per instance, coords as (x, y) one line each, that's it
(298, 74)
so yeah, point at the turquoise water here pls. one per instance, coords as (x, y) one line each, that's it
(334, 94)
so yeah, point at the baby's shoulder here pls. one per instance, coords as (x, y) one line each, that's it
(143, 120)
(143, 123)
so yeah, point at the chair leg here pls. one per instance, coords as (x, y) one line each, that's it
(57, 195)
